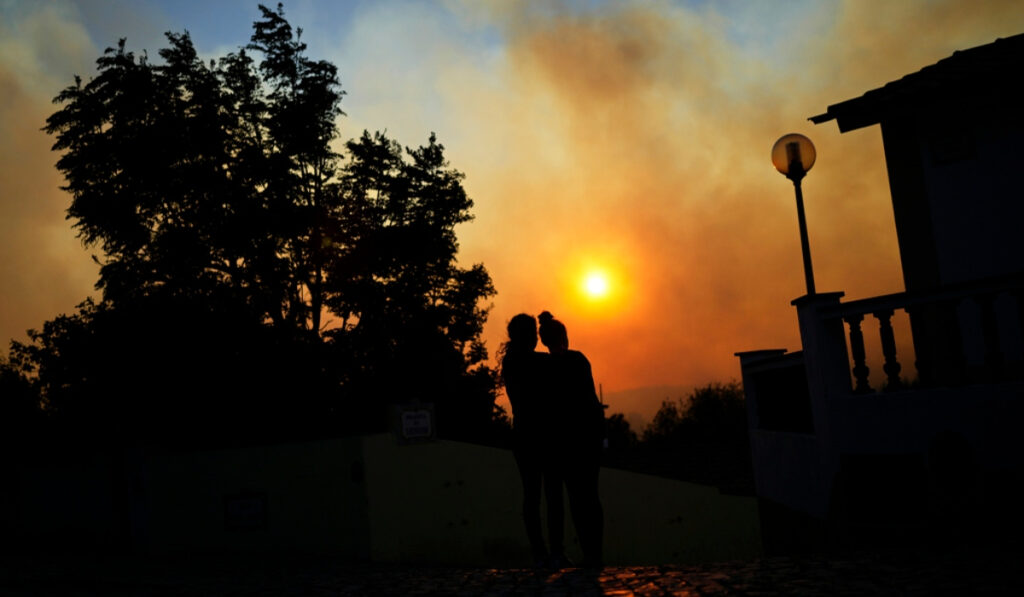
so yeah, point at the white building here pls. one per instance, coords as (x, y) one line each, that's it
(837, 460)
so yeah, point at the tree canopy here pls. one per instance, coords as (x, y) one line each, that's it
(702, 438)
(249, 269)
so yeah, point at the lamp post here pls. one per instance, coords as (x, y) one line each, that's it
(793, 155)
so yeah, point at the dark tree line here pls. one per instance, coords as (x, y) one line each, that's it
(702, 438)
(255, 279)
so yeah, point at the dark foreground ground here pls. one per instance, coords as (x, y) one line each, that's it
(907, 572)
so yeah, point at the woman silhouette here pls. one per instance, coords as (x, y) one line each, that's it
(526, 374)
(579, 418)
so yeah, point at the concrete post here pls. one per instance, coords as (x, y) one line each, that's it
(828, 376)
(749, 359)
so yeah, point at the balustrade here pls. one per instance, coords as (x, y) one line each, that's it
(892, 367)
(936, 326)
(990, 332)
(860, 368)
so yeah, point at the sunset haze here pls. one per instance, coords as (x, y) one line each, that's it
(617, 153)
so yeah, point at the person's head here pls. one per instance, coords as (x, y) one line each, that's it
(522, 333)
(553, 333)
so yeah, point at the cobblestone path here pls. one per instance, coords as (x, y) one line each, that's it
(902, 573)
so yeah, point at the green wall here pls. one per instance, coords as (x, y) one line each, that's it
(448, 502)
(358, 498)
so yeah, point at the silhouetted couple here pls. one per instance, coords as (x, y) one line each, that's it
(558, 426)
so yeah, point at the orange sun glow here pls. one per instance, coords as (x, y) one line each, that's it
(595, 285)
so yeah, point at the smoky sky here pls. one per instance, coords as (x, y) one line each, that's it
(630, 136)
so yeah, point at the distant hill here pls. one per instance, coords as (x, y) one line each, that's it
(640, 404)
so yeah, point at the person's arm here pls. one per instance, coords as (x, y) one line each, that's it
(593, 409)
(587, 387)
(510, 378)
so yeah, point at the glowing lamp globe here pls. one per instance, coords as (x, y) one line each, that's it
(793, 155)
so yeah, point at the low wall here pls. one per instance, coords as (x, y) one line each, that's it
(360, 498)
(288, 497)
(446, 501)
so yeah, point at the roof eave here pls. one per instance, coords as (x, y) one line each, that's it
(847, 122)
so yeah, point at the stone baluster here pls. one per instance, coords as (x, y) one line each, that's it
(990, 332)
(860, 368)
(953, 362)
(923, 361)
(892, 366)
(1018, 296)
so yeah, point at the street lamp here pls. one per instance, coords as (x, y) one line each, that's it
(793, 155)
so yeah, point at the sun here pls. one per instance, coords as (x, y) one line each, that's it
(595, 285)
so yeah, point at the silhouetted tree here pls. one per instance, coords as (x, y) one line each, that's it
(703, 438)
(177, 371)
(621, 438)
(195, 178)
(248, 273)
(400, 216)
(667, 422)
(405, 305)
(20, 412)
(716, 412)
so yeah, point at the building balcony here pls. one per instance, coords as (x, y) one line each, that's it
(827, 442)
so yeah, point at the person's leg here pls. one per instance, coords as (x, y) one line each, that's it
(530, 472)
(595, 557)
(584, 502)
(553, 483)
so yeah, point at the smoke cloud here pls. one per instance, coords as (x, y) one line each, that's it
(629, 136)
(638, 135)
(43, 269)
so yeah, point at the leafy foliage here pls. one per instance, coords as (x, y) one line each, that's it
(620, 437)
(250, 275)
(703, 438)
(715, 411)
(193, 179)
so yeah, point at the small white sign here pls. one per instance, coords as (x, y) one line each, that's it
(416, 424)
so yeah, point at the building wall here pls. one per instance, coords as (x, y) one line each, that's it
(445, 501)
(973, 181)
(303, 496)
(957, 195)
(359, 498)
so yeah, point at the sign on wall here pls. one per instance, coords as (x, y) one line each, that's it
(414, 423)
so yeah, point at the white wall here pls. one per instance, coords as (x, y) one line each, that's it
(361, 498)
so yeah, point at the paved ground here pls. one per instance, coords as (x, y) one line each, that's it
(904, 573)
